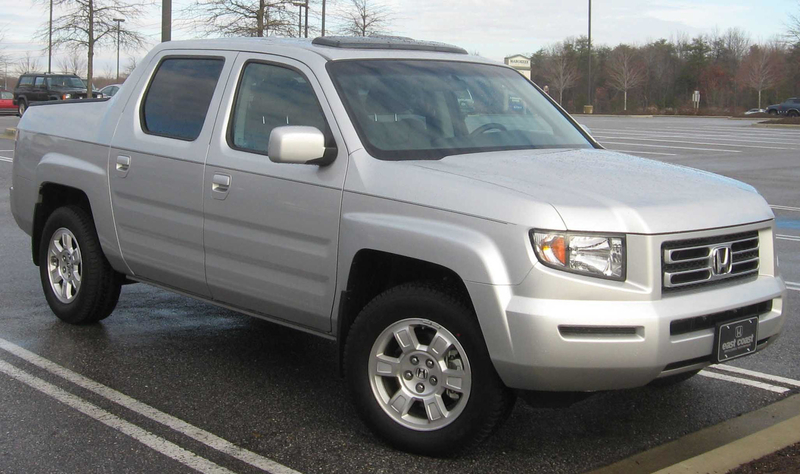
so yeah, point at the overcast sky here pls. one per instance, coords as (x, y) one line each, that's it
(494, 28)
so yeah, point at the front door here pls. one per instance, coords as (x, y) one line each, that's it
(271, 230)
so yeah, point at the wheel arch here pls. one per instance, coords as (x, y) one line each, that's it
(51, 197)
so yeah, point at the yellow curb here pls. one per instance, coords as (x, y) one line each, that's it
(697, 444)
(742, 451)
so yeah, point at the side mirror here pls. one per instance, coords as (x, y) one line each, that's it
(299, 145)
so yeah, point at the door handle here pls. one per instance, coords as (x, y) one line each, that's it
(220, 185)
(123, 164)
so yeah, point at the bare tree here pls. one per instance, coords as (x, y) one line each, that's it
(73, 63)
(624, 70)
(257, 18)
(365, 18)
(26, 65)
(560, 70)
(760, 69)
(130, 67)
(89, 25)
(794, 26)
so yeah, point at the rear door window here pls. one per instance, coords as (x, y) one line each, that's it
(176, 102)
(271, 96)
(39, 82)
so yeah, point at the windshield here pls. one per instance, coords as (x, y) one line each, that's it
(407, 110)
(65, 81)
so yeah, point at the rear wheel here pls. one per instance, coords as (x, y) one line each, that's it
(792, 113)
(22, 106)
(420, 374)
(78, 282)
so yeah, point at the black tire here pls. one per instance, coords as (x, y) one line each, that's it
(22, 106)
(773, 112)
(489, 401)
(673, 379)
(98, 292)
(792, 113)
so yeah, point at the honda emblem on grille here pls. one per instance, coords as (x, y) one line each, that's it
(721, 260)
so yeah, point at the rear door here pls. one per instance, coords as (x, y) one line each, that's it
(39, 89)
(271, 230)
(156, 167)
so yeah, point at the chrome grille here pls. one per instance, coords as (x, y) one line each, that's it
(693, 263)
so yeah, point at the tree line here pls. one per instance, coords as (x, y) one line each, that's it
(732, 73)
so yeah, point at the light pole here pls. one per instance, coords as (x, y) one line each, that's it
(166, 20)
(119, 22)
(50, 41)
(323, 17)
(590, 52)
(300, 6)
(306, 19)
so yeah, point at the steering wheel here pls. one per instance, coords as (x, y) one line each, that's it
(489, 126)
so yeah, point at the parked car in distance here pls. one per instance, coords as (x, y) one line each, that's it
(459, 255)
(790, 107)
(7, 106)
(754, 111)
(33, 88)
(110, 90)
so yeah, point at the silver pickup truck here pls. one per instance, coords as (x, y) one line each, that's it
(459, 255)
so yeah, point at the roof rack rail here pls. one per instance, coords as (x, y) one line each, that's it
(386, 42)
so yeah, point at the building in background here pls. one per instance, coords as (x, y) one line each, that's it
(520, 63)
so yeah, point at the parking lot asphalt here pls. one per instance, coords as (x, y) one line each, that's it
(168, 384)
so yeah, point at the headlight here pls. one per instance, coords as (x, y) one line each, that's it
(601, 256)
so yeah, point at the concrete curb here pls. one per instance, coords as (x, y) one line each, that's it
(776, 125)
(764, 429)
(741, 451)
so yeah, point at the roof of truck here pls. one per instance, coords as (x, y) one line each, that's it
(336, 47)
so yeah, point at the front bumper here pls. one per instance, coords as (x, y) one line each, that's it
(619, 336)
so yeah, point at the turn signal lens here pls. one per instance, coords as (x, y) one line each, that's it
(550, 248)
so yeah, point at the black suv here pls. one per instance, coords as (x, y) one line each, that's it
(42, 87)
(790, 108)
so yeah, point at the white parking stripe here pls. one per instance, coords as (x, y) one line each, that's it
(790, 285)
(737, 137)
(786, 208)
(750, 383)
(760, 147)
(602, 142)
(150, 440)
(792, 238)
(7, 160)
(130, 403)
(760, 375)
(646, 152)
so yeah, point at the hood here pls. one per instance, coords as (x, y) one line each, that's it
(600, 190)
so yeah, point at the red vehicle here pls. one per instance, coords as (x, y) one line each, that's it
(7, 103)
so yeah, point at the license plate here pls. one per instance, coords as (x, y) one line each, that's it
(736, 339)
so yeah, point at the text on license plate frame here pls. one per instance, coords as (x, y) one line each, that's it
(728, 337)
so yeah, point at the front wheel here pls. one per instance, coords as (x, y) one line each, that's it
(420, 374)
(78, 282)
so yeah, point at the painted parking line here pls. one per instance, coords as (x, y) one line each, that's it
(645, 152)
(760, 147)
(753, 138)
(792, 238)
(7, 160)
(760, 375)
(741, 381)
(790, 285)
(785, 208)
(211, 440)
(670, 146)
(150, 440)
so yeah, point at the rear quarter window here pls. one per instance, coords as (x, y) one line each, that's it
(26, 81)
(176, 102)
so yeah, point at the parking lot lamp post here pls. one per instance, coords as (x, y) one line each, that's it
(119, 22)
(300, 6)
(323, 17)
(50, 40)
(590, 53)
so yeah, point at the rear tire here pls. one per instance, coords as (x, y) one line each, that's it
(792, 113)
(419, 372)
(78, 282)
(22, 106)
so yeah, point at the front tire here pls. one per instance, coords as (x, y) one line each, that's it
(78, 282)
(420, 374)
